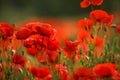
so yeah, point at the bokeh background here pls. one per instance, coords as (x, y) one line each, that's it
(14, 11)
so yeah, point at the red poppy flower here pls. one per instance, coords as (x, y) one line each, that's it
(53, 45)
(35, 71)
(32, 26)
(52, 56)
(18, 59)
(36, 41)
(41, 42)
(43, 29)
(86, 3)
(96, 2)
(102, 17)
(23, 33)
(99, 42)
(85, 23)
(118, 29)
(6, 30)
(83, 74)
(41, 72)
(42, 57)
(29, 42)
(32, 51)
(105, 70)
(70, 48)
(83, 35)
(63, 72)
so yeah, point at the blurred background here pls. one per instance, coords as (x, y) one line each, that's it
(14, 11)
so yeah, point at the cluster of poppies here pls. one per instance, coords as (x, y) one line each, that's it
(86, 58)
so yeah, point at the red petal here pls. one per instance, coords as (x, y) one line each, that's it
(84, 4)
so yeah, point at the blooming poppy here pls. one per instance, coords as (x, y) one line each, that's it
(85, 23)
(32, 51)
(49, 52)
(18, 62)
(83, 74)
(96, 2)
(83, 35)
(43, 29)
(52, 56)
(29, 42)
(18, 59)
(47, 56)
(6, 30)
(41, 73)
(41, 42)
(105, 70)
(31, 26)
(35, 71)
(23, 33)
(70, 48)
(99, 42)
(52, 50)
(33, 44)
(101, 17)
(86, 3)
(53, 45)
(37, 41)
(42, 57)
(63, 72)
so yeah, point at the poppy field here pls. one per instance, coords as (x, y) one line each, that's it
(40, 51)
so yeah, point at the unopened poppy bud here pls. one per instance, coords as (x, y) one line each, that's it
(64, 64)
(13, 25)
(6, 48)
(86, 28)
(0, 61)
(92, 36)
(59, 52)
(22, 52)
(10, 40)
(105, 29)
